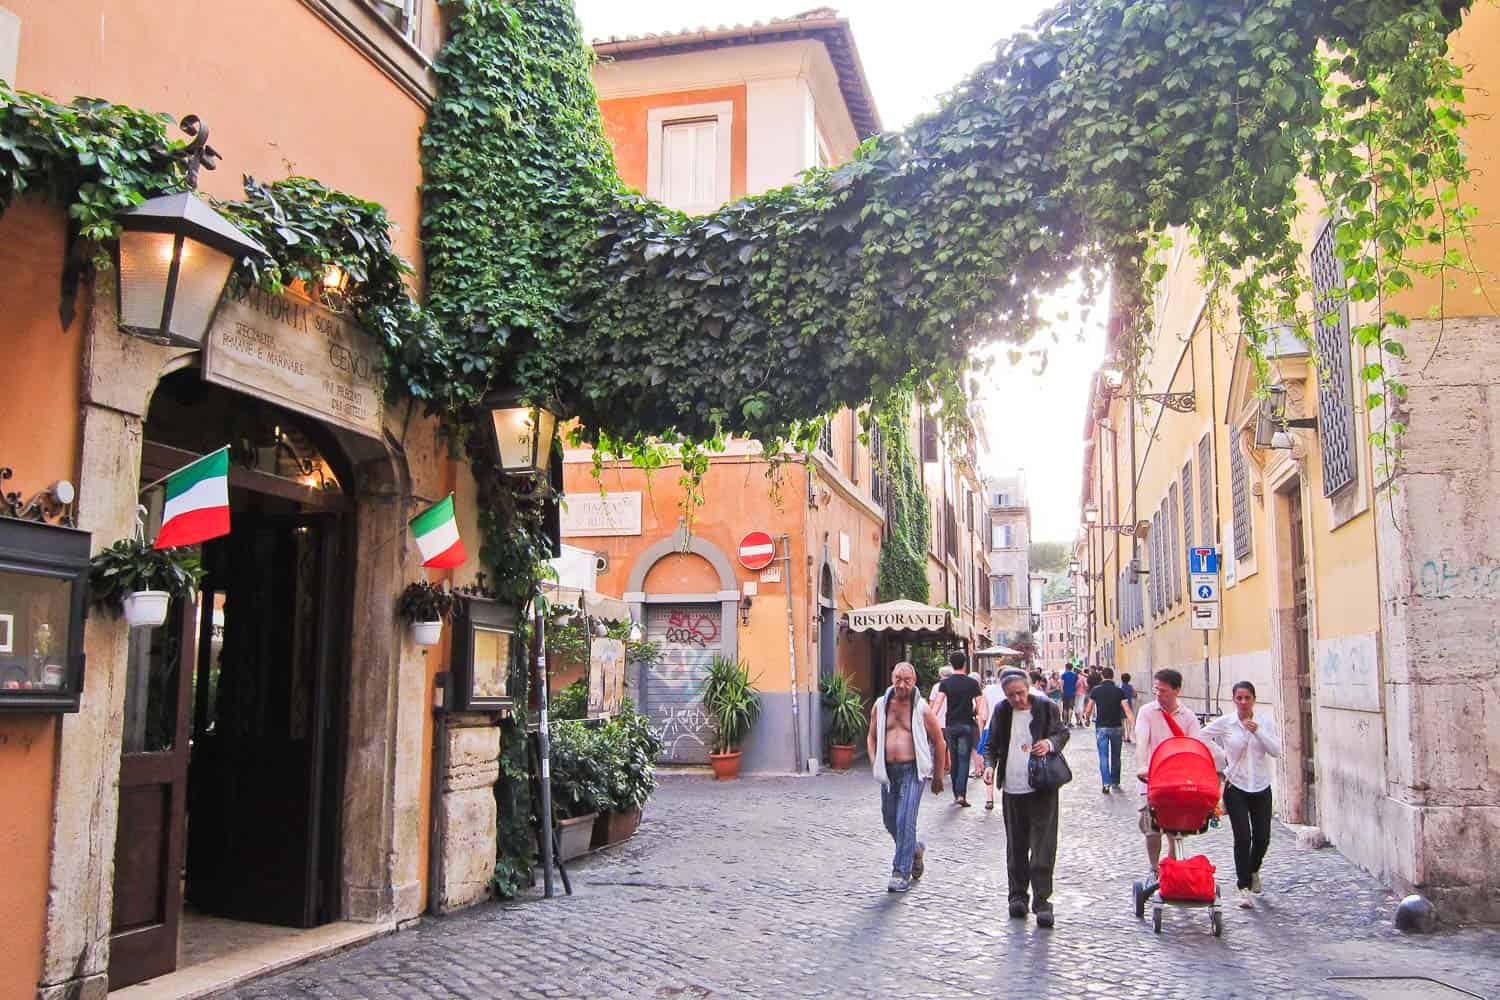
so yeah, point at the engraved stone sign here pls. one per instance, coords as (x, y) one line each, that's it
(289, 350)
(592, 514)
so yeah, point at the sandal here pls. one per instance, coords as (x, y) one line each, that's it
(990, 804)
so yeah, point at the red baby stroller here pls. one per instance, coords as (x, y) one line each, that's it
(1182, 795)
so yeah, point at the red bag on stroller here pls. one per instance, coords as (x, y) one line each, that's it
(1189, 881)
(1182, 783)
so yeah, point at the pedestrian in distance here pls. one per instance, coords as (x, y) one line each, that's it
(1069, 681)
(1023, 726)
(1151, 730)
(1128, 690)
(1248, 739)
(1039, 686)
(1054, 687)
(906, 747)
(944, 673)
(1110, 711)
(994, 694)
(958, 701)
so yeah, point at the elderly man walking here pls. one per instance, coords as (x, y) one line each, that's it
(906, 748)
(1023, 726)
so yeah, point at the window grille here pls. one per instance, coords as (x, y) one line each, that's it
(401, 15)
(1159, 543)
(853, 448)
(1240, 487)
(825, 436)
(877, 465)
(1208, 530)
(1335, 409)
(929, 435)
(1176, 544)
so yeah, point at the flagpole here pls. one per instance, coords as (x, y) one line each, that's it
(157, 482)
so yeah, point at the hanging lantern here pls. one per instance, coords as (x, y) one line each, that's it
(523, 435)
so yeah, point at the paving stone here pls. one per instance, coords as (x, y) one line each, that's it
(775, 888)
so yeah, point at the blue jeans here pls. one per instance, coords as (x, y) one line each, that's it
(1107, 739)
(960, 750)
(899, 802)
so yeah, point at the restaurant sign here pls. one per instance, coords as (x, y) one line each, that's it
(898, 616)
(290, 351)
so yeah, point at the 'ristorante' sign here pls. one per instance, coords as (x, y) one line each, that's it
(883, 619)
(293, 352)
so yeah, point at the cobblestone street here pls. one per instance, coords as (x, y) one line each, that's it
(775, 888)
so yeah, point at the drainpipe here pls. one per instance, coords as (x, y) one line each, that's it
(544, 750)
(791, 652)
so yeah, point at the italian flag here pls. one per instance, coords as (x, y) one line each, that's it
(436, 530)
(197, 507)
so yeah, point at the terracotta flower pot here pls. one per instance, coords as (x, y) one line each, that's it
(573, 836)
(842, 756)
(726, 765)
(622, 825)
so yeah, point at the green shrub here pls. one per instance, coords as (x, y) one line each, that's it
(732, 702)
(572, 702)
(846, 710)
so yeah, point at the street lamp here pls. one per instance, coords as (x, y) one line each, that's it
(174, 257)
(523, 435)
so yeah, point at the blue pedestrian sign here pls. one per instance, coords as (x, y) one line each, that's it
(1203, 559)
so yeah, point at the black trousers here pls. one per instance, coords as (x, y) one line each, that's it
(1030, 845)
(1250, 818)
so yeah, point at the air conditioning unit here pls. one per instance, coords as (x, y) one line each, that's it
(601, 562)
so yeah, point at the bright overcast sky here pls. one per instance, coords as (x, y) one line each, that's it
(913, 53)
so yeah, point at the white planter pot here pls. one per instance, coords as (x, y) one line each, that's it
(147, 608)
(426, 633)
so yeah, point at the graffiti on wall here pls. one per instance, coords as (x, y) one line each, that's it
(1349, 673)
(1444, 577)
(693, 628)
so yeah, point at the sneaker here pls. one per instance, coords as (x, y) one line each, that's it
(1018, 908)
(1044, 916)
(918, 861)
(1255, 883)
(1105, 789)
(898, 883)
(1247, 902)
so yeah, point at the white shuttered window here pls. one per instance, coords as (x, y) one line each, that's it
(689, 165)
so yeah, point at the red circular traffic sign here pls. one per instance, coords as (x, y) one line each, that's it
(757, 550)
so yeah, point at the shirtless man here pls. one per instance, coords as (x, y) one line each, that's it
(903, 756)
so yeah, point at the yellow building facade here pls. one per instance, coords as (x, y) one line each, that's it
(1360, 607)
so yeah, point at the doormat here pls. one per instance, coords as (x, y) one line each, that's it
(1400, 988)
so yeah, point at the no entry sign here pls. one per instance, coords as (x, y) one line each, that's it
(757, 550)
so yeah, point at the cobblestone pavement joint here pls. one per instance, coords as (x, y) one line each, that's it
(775, 888)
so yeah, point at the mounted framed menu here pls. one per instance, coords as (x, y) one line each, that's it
(43, 586)
(484, 652)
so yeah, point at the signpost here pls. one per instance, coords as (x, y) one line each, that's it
(1203, 576)
(757, 550)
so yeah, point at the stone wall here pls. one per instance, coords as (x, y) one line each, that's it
(1440, 598)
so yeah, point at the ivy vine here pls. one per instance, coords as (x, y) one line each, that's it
(902, 570)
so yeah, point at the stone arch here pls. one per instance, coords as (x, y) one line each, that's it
(681, 541)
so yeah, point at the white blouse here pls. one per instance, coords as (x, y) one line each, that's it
(1248, 753)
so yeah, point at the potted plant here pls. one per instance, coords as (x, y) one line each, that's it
(846, 720)
(631, 746)
(580, 784)
(425, 607)
(732, 702)
(131, 577)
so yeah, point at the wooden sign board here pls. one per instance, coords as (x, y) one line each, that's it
(288, 350)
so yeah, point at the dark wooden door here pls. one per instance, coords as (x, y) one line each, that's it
(153, 790)
(258, 843)
(1303, 652)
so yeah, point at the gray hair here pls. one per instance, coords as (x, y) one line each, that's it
(945, 671)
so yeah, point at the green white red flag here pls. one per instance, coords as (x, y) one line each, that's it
(436, 531)
(197, 506)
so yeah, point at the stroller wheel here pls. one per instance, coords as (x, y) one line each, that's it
(1140, 899)
(1216, 920)
(1156, 919)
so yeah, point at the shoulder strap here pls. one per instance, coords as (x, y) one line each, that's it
(1171, 722)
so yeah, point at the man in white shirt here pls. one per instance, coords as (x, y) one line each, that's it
(1151, 731)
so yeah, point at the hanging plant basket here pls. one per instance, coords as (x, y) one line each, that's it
(427, 633)
(146, 608)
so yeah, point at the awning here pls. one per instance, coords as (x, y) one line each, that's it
(591, 602)
(998, 651)
(899, 616)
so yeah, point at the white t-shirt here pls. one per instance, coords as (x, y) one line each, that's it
(1015, 761)
(994, 694)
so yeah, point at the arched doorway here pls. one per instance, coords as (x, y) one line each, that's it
(231, 757)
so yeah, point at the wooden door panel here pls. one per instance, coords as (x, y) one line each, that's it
(140, 859)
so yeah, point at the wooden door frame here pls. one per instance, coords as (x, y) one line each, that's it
(1296, 805)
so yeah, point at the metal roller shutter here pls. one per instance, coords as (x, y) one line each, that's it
(690, 635)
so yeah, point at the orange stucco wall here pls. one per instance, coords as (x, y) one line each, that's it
(625, 125)
(39, 441)
(280, 91)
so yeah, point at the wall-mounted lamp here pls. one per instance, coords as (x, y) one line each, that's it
(175, 255)
(745, 610)
(523, 435)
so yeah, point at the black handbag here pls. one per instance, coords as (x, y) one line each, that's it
(1048, 773)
